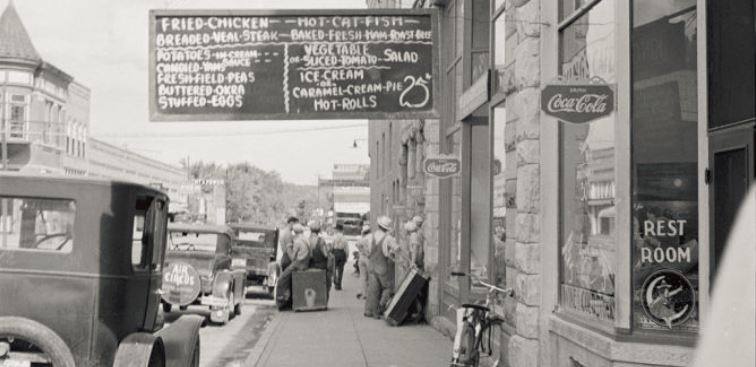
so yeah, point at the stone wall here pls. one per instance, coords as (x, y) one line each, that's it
(522, 141)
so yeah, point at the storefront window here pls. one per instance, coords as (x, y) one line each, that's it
(587, 189)
(665, 150)
(455, 236)
(498, 224)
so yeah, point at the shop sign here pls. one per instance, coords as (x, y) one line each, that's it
(215, 65)
(668, 298)
(578, 101)
(442, 166)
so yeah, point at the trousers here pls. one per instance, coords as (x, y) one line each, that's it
(380, 289)
(364, 276)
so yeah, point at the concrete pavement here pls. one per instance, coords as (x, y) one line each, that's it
(343, 337)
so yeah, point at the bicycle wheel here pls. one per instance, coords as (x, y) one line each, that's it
(467, 355)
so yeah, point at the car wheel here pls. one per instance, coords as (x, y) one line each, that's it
(231, 305)
(167, 307)
(156, 358)
(39, 336)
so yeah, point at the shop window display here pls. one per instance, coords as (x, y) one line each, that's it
(587, 191)
(664, 142)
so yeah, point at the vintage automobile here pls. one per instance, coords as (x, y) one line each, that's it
(76, 289)
(254, 251)
(198, 271)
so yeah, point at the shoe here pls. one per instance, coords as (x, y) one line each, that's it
(359, 295)
(368, 314)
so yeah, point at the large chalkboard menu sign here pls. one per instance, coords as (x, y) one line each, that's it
(306, 64)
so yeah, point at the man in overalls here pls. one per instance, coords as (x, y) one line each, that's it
(380, 284)
(300, 260)
(319, 252)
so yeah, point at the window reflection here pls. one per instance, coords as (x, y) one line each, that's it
(664, 141)
(588, 213)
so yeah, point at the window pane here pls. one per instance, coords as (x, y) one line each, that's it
(37, 224)
(455, 235)
(588, 214)
(665, 163)
(567, 7)
(480, 62)
(499, 196)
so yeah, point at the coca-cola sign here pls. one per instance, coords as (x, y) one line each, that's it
(577, 103)
(442, 166)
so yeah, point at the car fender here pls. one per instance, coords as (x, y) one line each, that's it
(222, 283)
(136, 349)
(180, 339)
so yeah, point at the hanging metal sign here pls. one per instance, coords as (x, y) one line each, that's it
(442, 166)
(578, 101)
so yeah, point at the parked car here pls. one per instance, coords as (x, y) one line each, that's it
(198, 271)
(254, 251)
(76, 289)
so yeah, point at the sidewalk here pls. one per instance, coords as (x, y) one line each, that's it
(342, 337)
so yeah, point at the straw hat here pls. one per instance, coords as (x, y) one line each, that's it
(384, 222)
(314, 225)
(410, 226)
(418, 220)
(365, 229)
(298, 228)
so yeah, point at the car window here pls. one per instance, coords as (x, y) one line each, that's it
(192, 241)
(138, 250)
(37, 224)
(250, 236)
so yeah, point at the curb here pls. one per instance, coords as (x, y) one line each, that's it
(255, 356)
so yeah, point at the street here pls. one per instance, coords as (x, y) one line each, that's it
(229, 345)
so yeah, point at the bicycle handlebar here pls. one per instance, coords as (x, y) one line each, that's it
(477, 280)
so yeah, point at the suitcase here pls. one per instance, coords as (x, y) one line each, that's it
(309, 290)
(405, 297)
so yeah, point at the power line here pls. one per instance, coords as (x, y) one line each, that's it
(200, 134)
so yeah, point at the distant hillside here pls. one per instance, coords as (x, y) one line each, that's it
(258, 196)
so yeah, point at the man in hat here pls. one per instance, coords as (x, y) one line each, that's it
(300, 260)
(286, 242)
(382, 247)
(319, 254)
(363, 251)
(339, 249)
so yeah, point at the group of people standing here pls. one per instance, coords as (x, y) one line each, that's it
(379, 255)
(301, 252)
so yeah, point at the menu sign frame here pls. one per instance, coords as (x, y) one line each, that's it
(389, 70)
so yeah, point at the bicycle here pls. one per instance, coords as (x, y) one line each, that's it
(473, 320)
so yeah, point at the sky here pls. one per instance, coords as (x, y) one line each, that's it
(104, 45)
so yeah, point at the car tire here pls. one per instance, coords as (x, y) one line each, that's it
(157, 359)
(232, 304)
(167, 307)
(39, 335)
